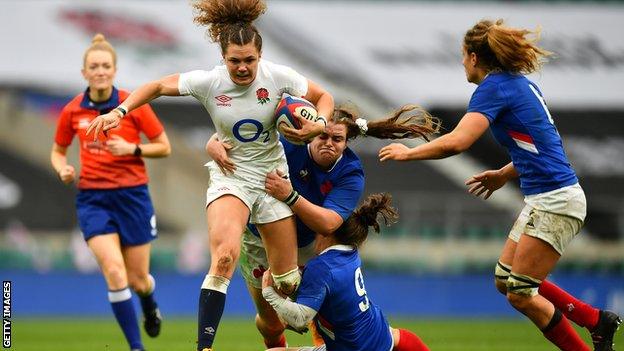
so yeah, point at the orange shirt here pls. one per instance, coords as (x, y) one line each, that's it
(99, 168)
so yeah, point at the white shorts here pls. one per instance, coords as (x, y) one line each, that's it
(555, 217)
(263, 208)
(253, 258)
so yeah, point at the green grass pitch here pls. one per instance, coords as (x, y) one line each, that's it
(240, 335)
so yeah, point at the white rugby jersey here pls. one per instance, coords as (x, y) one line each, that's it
(244, 115)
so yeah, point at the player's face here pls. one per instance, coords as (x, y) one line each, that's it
(329, 146)
(242, 63)
(99, 70)
(469, 60)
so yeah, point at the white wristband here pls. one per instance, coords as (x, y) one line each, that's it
(321, 118)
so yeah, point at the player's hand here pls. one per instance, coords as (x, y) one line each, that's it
(118, 146)
(267, 279)
(486, 183)
(277, 185)
(309, 129)
(217, 150)
(394, 151)
(102, 123)
(67, 174)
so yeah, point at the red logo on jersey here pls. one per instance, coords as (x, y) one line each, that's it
(263, 96)
(326, 187)
(223, 100)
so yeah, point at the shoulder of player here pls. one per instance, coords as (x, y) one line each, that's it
(350, 164)
(73, 104)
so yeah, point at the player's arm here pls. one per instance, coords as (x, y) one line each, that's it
(468, 130)
(294, 314)
(58, 158)
(317, 218)
(166, 86)
(321, 98)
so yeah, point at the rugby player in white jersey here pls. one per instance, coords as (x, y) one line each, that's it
(240, 97)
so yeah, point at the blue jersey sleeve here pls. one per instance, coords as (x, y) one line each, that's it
(489, 100)
(344, 196)
(315, 285)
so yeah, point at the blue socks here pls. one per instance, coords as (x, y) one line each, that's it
(211, 305)
(148, 304)
(123, 308)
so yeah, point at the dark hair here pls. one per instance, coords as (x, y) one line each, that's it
(354, 230)
(499, 47)
(409, 121)
(230, 21)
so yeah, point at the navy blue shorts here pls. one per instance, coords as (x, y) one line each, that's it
(126, 211)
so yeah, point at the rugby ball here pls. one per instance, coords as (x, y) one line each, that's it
(288, 107)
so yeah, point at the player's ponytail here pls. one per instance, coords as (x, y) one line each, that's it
(408, 121)
(230, 21)
(354, 230)
(503, 48)
(99, 43)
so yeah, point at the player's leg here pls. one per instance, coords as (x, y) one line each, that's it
(280, 242)
(268, 323)
(137, 260)
(405, 340)
(227, 217)
(537, 252)
(107, 251)
(253, 263)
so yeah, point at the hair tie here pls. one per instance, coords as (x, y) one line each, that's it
(363, 125)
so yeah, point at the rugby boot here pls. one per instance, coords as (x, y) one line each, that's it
(151, 322)
(602, 334)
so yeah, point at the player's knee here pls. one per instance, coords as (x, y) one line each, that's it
(115, 274)
(224, 261)
(501, 275)
(139, 282)
(521, 289)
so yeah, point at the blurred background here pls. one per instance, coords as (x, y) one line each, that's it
(375, 54)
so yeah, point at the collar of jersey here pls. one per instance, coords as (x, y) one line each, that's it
(332, 167)
(104, 106)
(339, 248)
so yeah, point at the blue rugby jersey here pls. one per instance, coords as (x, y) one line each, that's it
(338, 189)
(333, 285)
(520, 121)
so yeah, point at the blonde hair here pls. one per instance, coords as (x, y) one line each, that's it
(99, 43)
(499, 47)
(230, 21)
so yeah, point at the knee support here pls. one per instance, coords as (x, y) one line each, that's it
(502, 272)
(288, 282)
(521, 284)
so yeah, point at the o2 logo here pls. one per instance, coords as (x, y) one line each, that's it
(259, 133)
(361, 290)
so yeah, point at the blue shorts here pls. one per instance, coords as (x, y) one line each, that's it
(126, 211)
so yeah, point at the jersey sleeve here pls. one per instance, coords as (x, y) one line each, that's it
(315, 285)
(64, 130)
(196, 83)
(488, 99)
(147, 121)
(290, 81)
(345, 194)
